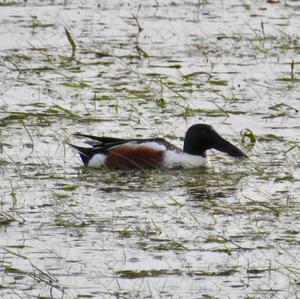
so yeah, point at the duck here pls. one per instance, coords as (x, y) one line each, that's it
(122, 154)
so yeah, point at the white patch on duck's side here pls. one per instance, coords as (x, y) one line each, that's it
(97, 161)
(183, 160)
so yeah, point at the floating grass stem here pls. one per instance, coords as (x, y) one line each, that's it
(141, 52)
(5, 219)
(292, 69)
(141, 273)
(13, 194)
(27, 131)
(262, 26)
(136, 18)
(71, 41)
(67, 111)
(292, 77)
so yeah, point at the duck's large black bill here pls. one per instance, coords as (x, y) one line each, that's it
(225, 146)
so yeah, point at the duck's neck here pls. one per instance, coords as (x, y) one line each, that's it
(189, 148)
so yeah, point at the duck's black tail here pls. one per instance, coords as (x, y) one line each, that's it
(85, 153)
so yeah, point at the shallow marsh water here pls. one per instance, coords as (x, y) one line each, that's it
(149, 68)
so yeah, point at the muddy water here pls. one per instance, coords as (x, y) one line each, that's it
(149, 68)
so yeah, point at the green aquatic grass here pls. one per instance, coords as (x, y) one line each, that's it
(8, 3)
(227, 272)
(145, 273)
(57, 108)
(77, 85)
(69, 187)
(292, 77)
(71, 41)
(6, 219)
(247, 134)
(282, 107)
(218, 82)
(172, 245)
(287, 79)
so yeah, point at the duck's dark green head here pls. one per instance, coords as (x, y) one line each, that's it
(201, 137)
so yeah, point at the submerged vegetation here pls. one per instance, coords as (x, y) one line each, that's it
(149, 69)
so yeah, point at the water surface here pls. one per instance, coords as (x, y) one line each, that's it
(150, 68)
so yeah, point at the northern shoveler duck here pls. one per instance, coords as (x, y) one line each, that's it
(120, 153)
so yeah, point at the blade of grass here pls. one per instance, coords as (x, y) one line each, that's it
(71, 41)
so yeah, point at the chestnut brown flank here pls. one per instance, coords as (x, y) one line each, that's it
(134, 156)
